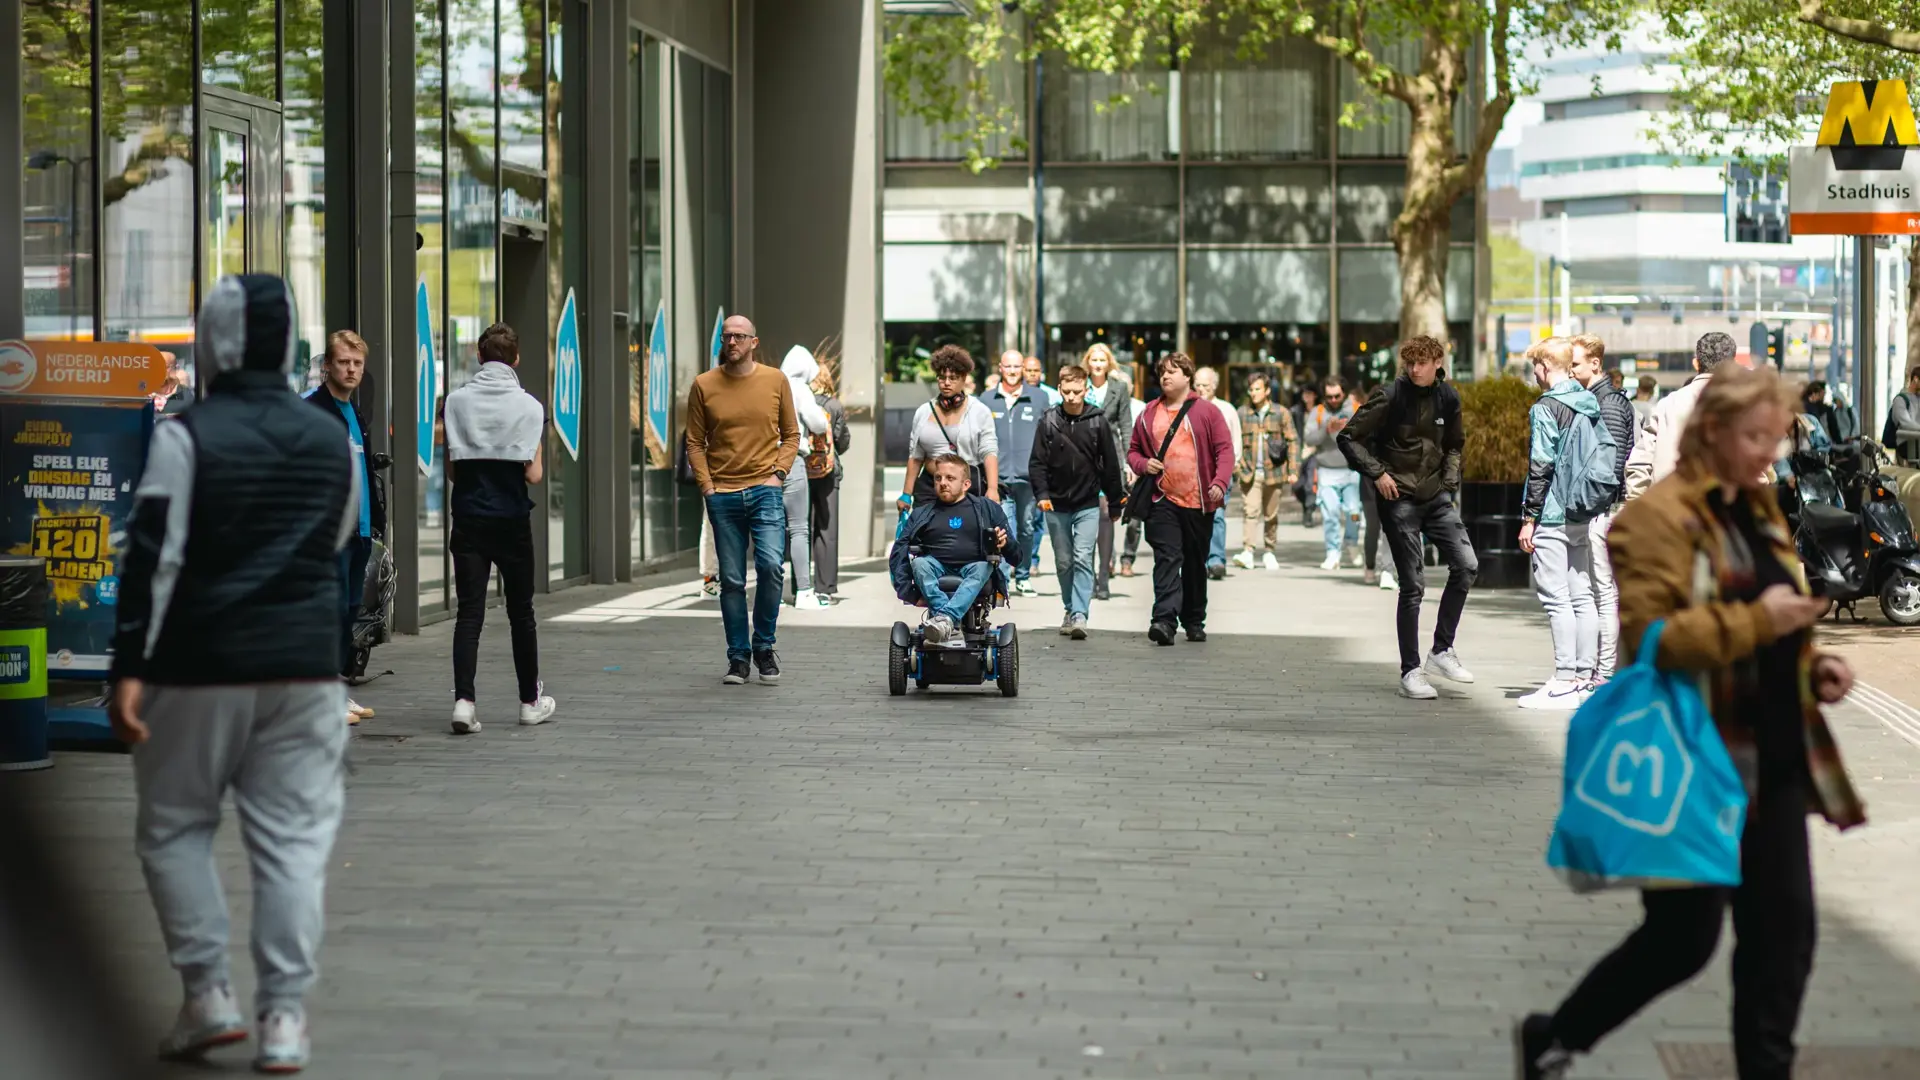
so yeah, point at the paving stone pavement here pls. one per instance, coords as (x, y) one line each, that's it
(1244, 858)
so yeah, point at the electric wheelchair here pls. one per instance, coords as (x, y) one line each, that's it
(988, 652)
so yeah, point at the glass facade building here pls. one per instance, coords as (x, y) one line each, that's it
(417, 170)
(1221, 209)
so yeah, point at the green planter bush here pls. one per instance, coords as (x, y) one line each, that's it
(1493, 469)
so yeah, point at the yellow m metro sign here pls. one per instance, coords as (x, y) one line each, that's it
(1858, 179)
(1869, 124)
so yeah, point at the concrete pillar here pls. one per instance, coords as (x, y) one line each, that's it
(815, 93)
(13, 316)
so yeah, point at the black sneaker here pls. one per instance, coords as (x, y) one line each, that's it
(738, 672)
(1160, 633)
(1537, 1055)
(1102, 593)
(1194, 633)
(769, 665)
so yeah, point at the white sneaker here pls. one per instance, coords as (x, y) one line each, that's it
(934, 631)
(1557, 695)
(358, 709)
(536, 712)
(1269, 562)
(1331, 562)
(1447, 665)
(810, 599)
(710, 588)
(1026, 588)
(1353, 559)
(1414, 684)
(1244, 560)
(1066, 624)
(207, 1019)
(464, 722)
(1387, 583)
(284, 1047)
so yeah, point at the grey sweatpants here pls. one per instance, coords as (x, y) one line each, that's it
(280, 748)
(1563, 579)
(1606, 596)
(798, 499)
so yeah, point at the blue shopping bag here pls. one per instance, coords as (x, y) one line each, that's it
(1650, 796)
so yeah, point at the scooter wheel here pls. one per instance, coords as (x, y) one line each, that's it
(1900, 598)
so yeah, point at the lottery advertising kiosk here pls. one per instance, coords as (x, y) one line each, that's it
(75, 421)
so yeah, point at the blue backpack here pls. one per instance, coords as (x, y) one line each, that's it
(1650, 796)
(1586, 472)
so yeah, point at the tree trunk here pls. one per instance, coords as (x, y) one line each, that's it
(1420, 233)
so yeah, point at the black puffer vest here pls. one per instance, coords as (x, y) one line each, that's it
(258, 597)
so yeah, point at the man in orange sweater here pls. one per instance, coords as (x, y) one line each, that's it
(742, 439)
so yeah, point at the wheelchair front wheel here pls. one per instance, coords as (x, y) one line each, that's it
(896, 670)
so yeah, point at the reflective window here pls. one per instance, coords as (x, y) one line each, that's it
(306, 160)
(1122, 286)
(1267, 106)
(1252, 286)
(225, 218)
(1370, 285)
(909, 138)
(1370, 197)
(548, 132)
(1247, 205)
(237, 45)
(56, 109)
(147, 182)
(1092, 116)
(430, 206)
(705, 169)
(472, 208)
(651, 483)
(1112, 206)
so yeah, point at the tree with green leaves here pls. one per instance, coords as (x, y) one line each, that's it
(1454, 36)
(1754, 75)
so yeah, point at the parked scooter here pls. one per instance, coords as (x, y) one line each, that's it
(1862, 543)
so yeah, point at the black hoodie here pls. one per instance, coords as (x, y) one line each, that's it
(1075, 460)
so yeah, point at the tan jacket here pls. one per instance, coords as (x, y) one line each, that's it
(1669, 556)
(1656, 448)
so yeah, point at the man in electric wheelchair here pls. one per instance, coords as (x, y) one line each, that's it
(952, 558)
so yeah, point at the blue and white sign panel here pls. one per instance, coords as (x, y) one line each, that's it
(566, 378)
(427, 378)
(713, 351)
(659, 381)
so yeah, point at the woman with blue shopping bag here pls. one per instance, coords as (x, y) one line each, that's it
(1707, 570)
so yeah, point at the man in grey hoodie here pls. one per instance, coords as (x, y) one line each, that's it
(800, 367)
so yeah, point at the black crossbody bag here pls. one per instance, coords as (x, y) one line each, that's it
(978, 472)
(1140, 499)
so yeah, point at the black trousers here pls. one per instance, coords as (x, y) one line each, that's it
(1103, 541)
(823, 523)
(1774, 931)
(1406, 519)
(1179, 538)
(477, 546)
(1370, 509)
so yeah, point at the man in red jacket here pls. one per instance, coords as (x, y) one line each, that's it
(1190, 470)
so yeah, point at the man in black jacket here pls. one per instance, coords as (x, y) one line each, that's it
(342, 370)
(1075, 466)
(1406, 442)
(226, 668)
(1616, 411)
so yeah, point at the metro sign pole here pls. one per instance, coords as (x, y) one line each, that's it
(1861, 178)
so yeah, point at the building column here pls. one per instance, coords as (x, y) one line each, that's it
(816, 234)
(598, 65)
(13, 281)
(399, 390)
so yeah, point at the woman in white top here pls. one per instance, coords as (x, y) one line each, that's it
(952, 423)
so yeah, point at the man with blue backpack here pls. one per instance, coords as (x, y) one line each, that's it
(1572, 479)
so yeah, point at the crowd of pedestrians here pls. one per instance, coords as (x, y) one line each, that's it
(253, 523)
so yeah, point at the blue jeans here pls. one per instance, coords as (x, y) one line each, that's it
(1339, 501)
(1217, 547)
(1039, 534)
(1075, 535)
(927, 572)
(758, 514)
(1016, 500)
